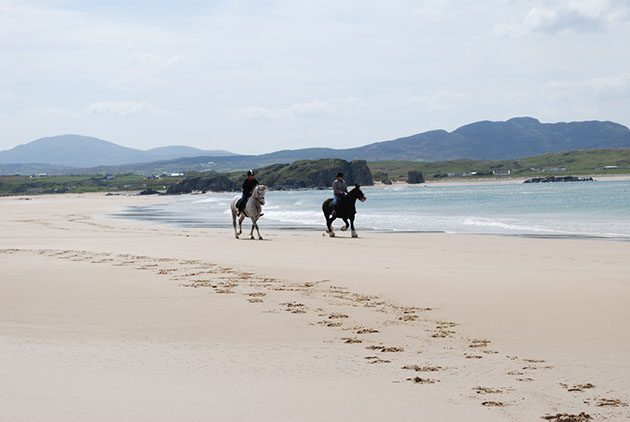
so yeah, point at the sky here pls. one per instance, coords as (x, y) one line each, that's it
(254, 76)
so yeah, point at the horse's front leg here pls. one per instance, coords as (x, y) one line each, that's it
(344, 228)
(257, 231)
(354, 233)
(251, 233)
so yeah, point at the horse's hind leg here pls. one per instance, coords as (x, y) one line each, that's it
(240, 224)
(234, 223)
(344, 228)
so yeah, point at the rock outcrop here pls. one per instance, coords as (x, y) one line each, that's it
(549, 179)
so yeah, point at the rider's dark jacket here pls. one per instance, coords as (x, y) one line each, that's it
(248, 187)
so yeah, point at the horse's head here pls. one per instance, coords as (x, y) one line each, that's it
(357, 193)
(259, 194)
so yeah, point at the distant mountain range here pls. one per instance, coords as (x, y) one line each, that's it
(84, 151)
(515, 138)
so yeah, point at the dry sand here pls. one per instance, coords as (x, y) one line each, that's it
(104, 319)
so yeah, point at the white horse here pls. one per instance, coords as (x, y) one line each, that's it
(253, 210)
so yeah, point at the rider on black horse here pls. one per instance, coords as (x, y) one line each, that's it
(340, 190)
(248, 187)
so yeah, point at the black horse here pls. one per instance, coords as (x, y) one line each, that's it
(346, 210)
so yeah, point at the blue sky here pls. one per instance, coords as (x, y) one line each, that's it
(257, 76)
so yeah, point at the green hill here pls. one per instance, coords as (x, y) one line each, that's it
(298, 175)
(598, 161)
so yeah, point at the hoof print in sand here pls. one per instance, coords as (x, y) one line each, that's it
(376, 359)
(418, 380)
(223, 291)
(479, 343)
(443, 334)
(294, 307)
(467, 356)
(254, 300)
(487, 390)
(351, 340)
(167, 271)
(493, 404)
(385, 349)
(408, 317)
(567, 417)
(367, 331)
(418, 368)
(337, 316)
(578, 388)
(443, 329)
(603, 402)
(329, 324)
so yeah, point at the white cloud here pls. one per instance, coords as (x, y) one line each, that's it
(563, 16)
(80, 66)
(611, 85)
(308, 109)
(122, 108)
(442, 100)
(118, 109)
(431, 10)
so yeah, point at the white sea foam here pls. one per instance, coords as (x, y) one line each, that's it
(552, 209)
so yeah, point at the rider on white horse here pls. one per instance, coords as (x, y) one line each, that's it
(248, 187)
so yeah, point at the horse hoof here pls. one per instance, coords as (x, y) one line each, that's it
(260, 238)
(344, 228)
(354, 234)
(331, 234)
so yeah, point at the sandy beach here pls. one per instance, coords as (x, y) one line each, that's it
(106, 319)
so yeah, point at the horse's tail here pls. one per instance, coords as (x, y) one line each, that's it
(326, 206)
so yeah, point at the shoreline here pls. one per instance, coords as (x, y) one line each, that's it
(524, 221)
(118, 314)
(456, 182)
(505, 180)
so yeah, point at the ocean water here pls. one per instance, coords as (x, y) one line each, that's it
(581, 209)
